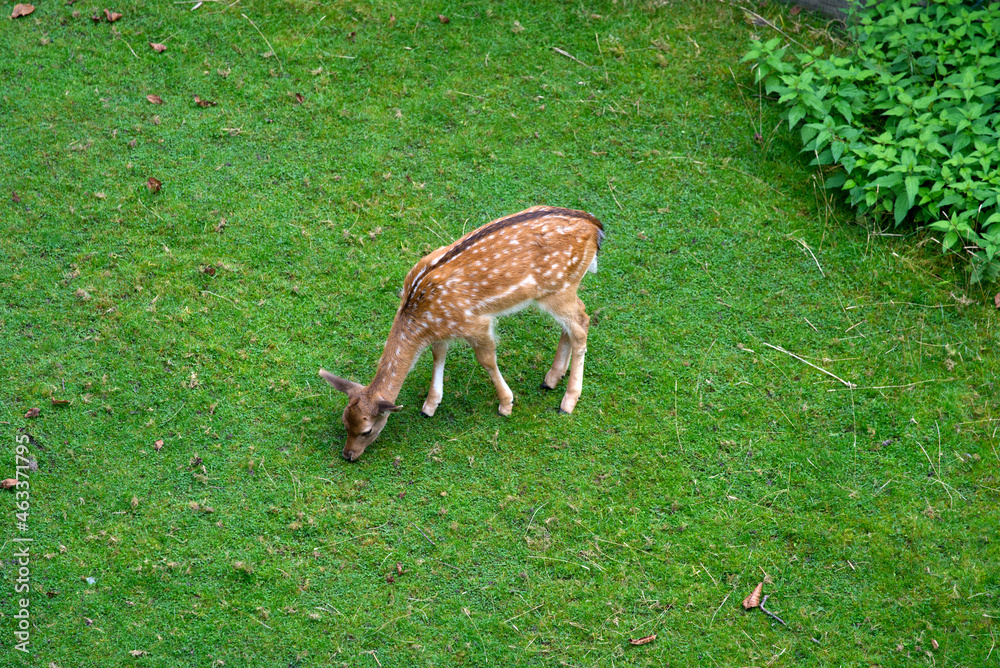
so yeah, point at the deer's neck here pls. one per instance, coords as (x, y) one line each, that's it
(401, 351)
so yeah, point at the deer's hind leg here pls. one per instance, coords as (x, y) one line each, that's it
(570, 312)
(560, 364)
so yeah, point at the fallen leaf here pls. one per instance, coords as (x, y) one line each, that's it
(159, 48)
(517, 27)
(399, 568)
(208, 269)
(443, 19)
(389, 578)
(111, 16)
(135, 502)
(753, 600)
(203, 103)
(794, 11)
(158, 445)
(643, 641)
(138, 652)
(934, 644)
(299, 98)
(153, 184)
(155, 99)
(58, 402)
(996, 300)
(96, 18)
(14, 198)
(22, 9)
(32, 413)
(8, 483)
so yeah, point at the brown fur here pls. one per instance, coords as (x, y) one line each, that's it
(539, 256)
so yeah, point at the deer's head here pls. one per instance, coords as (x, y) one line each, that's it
(364, 416)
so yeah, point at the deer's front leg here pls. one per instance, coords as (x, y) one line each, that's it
(486, 353)
(434, 395)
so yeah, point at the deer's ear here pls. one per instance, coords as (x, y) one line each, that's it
(342, 384)
(388, 407)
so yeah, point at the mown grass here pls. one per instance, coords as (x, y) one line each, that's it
(698, 463)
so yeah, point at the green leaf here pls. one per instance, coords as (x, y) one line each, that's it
(835, 181)
(911, 183)
(795, 114)
(900, 208)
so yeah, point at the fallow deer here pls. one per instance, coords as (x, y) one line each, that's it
(537, 256)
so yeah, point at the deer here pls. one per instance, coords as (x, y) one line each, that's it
(538, 256)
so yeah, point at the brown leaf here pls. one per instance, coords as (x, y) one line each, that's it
(399, 568)
(996, 300)
(299, 98)
(96, 18)
(208, 269)
(794, 11)
(14, 198)
(390, 578)
(32, 413)
(159, 48)
(643, 641)
(8, 483)
(155, 99)
(443, 19)
(22, 9)
(203, 103)
(138, 652)
(753, 600)
(111, 16)
(158, 445)
(153, 184)
(58, 402)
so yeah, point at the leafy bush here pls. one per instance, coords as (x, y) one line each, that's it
(908, 123)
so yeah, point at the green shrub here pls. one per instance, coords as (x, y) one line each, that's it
(907, 124)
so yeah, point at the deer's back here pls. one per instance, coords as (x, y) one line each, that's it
(504, 264)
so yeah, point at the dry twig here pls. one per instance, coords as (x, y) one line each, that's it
(768, 612)
(782, 350)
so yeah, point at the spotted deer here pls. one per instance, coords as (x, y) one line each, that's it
(537, 256)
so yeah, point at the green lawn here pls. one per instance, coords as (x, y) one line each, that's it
(346, 140)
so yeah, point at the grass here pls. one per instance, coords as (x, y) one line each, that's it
(699, 462)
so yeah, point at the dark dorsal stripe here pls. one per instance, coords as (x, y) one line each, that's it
(503, 224)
